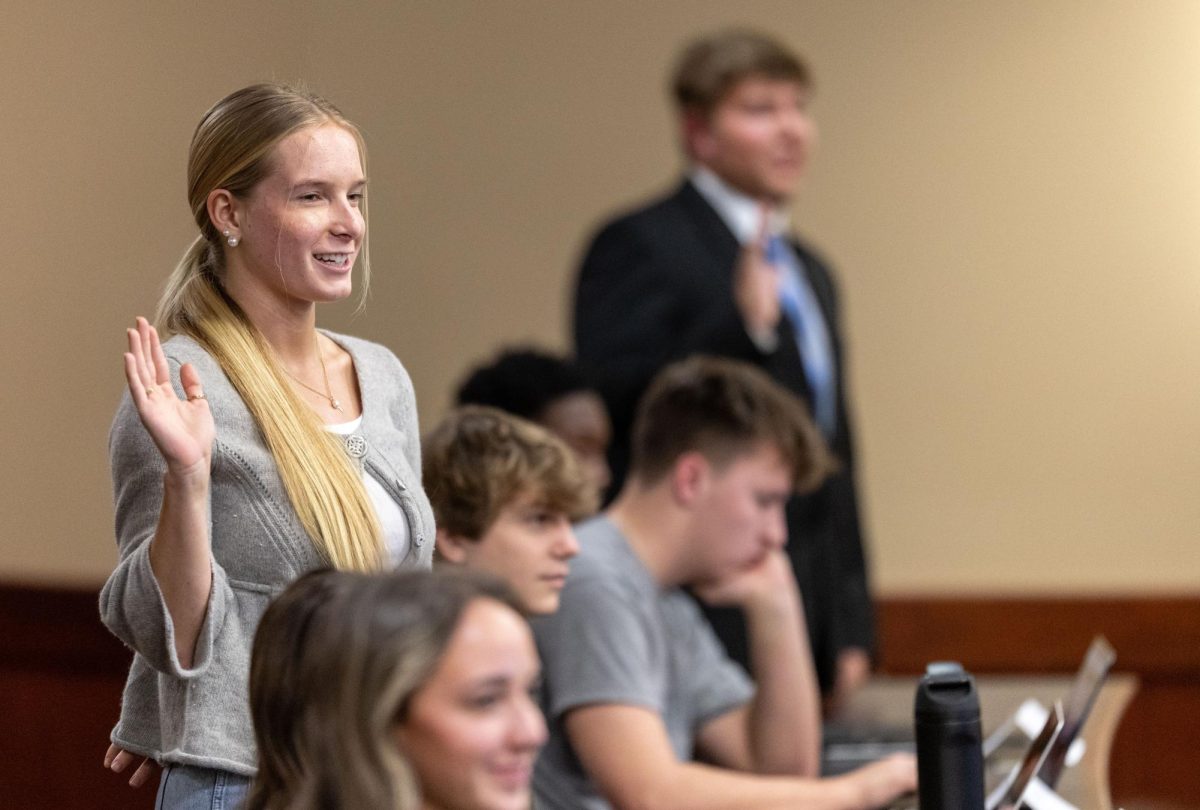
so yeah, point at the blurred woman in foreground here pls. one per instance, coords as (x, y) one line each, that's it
(395, 692)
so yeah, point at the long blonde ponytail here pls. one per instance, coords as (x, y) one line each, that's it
(230, 150)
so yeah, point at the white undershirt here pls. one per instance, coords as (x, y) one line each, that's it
(741, 214)
(391, 517)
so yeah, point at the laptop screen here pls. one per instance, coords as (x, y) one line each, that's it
(1096, 664)
(1008, 794)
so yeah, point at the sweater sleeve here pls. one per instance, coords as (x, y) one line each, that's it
(409, 421)
(131, 604)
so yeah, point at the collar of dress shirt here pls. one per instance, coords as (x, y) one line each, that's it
(739, 212)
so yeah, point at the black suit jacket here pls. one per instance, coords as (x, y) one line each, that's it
(656, 285)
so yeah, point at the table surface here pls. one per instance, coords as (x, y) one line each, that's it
(888, 700)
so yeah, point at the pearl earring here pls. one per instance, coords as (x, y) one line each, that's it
(232, 240)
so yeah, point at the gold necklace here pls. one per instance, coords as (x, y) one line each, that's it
(328, 392)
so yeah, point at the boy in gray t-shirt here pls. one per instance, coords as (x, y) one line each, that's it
(620, 638)
(636, 683)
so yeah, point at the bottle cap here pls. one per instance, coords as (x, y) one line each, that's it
(947, 694)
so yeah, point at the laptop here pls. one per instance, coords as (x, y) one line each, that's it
(849, 747)
(1096, 665)
(846, 747)
(1010, 791)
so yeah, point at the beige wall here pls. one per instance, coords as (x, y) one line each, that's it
(1010, 191)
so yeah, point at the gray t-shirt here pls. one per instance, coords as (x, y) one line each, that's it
(619, 638)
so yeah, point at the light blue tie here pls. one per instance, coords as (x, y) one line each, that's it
(799, 303)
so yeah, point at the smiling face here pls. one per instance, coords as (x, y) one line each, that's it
(301, 228)
(739, 516)
(473, 730)
(757, 138)
(528, 546)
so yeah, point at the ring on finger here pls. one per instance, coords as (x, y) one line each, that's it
(149, 391)
(196, 396)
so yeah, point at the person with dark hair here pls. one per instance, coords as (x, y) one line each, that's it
(636, 685)
(714, 268)
(553, 392)
(394, 692)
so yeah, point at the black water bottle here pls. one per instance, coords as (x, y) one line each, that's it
(949, 741)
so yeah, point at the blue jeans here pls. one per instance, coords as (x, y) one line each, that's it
(184, 787)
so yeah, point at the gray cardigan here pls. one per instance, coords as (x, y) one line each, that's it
(200, 716)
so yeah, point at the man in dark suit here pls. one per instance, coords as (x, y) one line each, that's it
(713, 268)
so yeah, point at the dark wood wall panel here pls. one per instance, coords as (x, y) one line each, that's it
(1159, 636)
(56, 729)
(61, 675)
(1156, 755)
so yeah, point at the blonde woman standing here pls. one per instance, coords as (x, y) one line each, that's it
(251, 447)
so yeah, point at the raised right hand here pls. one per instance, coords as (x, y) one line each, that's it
(756, 284)
(182, 429)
